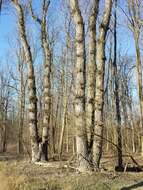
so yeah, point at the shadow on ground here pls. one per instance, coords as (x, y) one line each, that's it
(129, 169)
(134, 186)
(7, 157)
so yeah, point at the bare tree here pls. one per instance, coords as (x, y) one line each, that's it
(47, 74)
(21, 57)
(81, 135)
(116, 81)
(91, 73)
(31, 82)
(99, 96)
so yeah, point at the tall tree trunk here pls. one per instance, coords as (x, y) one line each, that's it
(31, 83)
(132, 123)
(55, 132)
(21, 109)
(4, 131)
(91, 74)
(47, 76)
(139, 77)
(117, 101)
(47, 82)
(21, 60)
(65, 102)
(99, 96)
(81, 136)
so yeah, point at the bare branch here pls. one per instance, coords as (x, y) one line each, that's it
(36, 18)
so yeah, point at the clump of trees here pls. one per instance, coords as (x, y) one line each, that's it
(76, 98)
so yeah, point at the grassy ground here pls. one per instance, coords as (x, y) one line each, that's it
(17, 174)
(22, 175)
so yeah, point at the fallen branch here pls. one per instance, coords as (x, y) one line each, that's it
(50, 164)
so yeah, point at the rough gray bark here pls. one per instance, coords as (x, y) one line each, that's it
(99, 97)
(91, 73)
(47, 82)
(47, 76)
(31, 83)
(79, 106)
(139, 78)
(117, 101)
(21, 101)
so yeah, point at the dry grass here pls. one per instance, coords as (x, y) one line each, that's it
(21, 175)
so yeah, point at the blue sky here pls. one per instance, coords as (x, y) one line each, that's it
(8, 26)
(8, 30)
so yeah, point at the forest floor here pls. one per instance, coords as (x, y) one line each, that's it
(19, 174)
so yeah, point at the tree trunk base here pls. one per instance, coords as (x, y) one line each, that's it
(119, 168)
